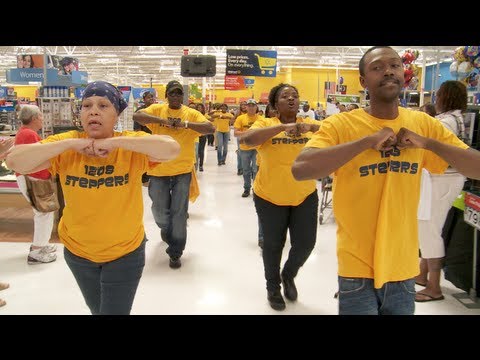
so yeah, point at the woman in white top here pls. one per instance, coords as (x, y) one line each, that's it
(438, 195)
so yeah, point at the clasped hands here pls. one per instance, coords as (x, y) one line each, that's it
(296, 129)
(95, 147)
(386, 139)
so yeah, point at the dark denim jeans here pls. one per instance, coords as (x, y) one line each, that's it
(301, 221)
(249, 166)
(169, 196)
(108, 288)
(357, 296)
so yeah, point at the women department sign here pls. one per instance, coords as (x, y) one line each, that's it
(251, 63)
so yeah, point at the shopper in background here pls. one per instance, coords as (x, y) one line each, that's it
(283, 204)
(376, 155)
(148, 99)
(40, 250)
(202, 140)
(306, 112)
(440, 191)
(5, 145)
(428, 108)
(100, 171)
(352, 106)
(169, 186)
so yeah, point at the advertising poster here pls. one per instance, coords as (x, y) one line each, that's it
(28, 61)
(251, 63)
(64, 65)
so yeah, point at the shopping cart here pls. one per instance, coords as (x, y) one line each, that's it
(326, 201)
(266, 64)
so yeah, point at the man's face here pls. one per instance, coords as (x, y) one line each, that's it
(149, 99)
(383, 75)
(175, 98)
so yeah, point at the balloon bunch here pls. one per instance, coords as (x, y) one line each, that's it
(410, 70)
(466, 64)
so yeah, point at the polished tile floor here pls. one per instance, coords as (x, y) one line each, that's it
(222, 270)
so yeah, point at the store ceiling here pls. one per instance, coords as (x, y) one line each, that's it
(137, 65)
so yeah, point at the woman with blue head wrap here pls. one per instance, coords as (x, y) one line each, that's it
(100, 173)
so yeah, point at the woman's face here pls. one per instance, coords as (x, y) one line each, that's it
(288, 101)
(27, 61)
(20, 63)
(98, 116)
(69, 68)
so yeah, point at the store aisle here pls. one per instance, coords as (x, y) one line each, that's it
(222, 270)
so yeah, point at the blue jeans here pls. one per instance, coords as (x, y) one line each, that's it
(108, 288)
(357, 296)
(169, 196)
(249, 166)
(222, 145)
(239, 158)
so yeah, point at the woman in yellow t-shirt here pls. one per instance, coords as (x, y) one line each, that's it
(100, 173)
(283, 204)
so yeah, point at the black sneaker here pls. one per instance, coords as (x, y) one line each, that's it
(175, 262)
(240, 172)
(276, 300)
(246, 193)
(201, 168)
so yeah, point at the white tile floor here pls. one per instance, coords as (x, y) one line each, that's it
(222, 270)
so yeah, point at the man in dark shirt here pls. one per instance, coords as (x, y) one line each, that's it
(148, 99)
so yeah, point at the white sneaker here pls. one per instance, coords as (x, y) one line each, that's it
(48, 248)
(41, 256)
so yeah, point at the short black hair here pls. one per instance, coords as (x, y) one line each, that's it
(361, 64)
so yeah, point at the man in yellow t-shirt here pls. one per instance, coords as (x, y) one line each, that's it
(377, 155)
(223, 121)
(248, 156)
(170, 181)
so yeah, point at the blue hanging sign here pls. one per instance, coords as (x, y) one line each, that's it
(25, 76)
(251, 63)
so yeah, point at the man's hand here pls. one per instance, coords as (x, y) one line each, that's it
(410, 139)
(384, 139)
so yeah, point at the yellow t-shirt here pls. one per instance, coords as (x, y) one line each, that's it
(274, 181)
(223, 125)
(375, 195)
(103, 215)
(185, 137)
(244, 122)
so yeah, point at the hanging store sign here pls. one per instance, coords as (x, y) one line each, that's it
(233, 82)
(25, 76)
(126, 91)
(251, 63)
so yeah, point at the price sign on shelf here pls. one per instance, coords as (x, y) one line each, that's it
(472, 210)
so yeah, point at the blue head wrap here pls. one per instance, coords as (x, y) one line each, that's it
(105, 89)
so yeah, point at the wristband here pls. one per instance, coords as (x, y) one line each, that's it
(186, 124)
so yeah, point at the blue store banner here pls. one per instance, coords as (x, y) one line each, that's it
(25, 76)
(251, 63)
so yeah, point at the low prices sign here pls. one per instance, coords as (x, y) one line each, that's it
(471, 214)
(233, 82)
